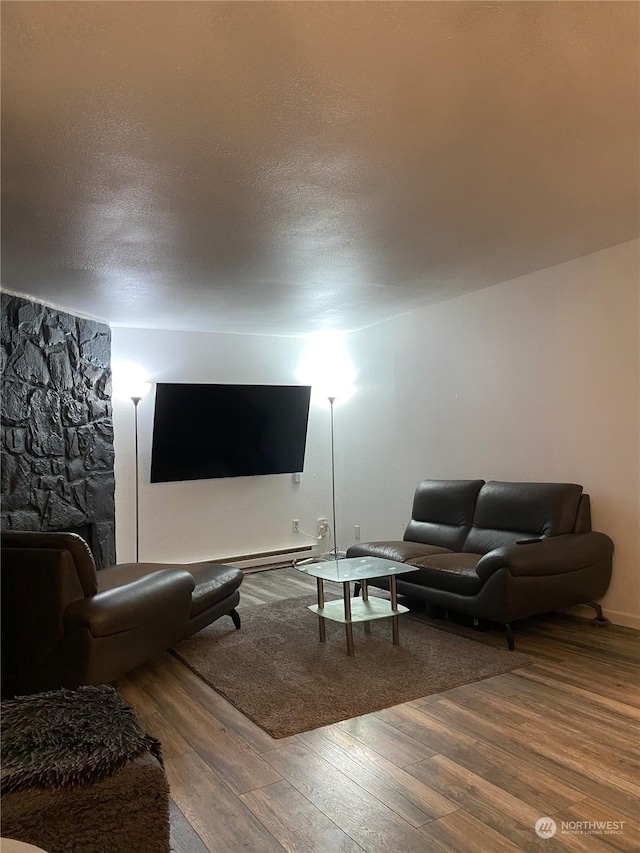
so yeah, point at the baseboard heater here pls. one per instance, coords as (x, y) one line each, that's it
(271, 559)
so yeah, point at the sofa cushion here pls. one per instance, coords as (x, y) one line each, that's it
(450, 572)
(507, 512)
(442, 512)
(399, 552)
(213, 583)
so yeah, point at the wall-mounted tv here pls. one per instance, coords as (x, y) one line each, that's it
(209, 431)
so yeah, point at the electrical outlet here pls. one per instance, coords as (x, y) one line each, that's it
(356, 532)
(296, 525)
(323, 527)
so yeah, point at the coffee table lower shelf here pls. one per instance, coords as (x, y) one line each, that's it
(360, 610)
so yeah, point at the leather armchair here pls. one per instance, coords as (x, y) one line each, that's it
(64, 624)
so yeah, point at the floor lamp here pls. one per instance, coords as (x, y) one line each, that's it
(333, 483)
(140, 392)
(327, 367)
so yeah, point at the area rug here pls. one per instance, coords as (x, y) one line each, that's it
(277, 673)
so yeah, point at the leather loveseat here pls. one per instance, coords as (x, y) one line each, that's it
(64, 624)
(498, 551)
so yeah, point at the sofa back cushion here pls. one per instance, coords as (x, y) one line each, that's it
(443, 512)
(583, 516)
(506, 512)
(30, 541)
(38, 584)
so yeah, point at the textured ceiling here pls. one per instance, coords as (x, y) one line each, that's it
(287, 167)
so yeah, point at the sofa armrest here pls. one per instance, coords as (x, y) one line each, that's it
(549, 556)
(131, 605)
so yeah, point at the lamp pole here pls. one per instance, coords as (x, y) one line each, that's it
(135, 401)
(333, 482)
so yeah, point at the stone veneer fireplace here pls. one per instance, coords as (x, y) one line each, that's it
(57, 428)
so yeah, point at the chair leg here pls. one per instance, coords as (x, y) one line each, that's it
(236, 618)
(356, 589)
(510, 641)
(600, 620)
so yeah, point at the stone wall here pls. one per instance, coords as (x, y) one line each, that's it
(57, 429)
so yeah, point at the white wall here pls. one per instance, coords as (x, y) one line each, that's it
(532, 379)
(213, 518)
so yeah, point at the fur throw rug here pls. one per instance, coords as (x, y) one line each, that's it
(69, 738)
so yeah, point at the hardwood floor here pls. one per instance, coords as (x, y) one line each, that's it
(470, 770)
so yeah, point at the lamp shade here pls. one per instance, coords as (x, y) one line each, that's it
(130, 380)
(327, 367)
(139, 390)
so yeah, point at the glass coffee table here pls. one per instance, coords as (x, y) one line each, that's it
(357, 609)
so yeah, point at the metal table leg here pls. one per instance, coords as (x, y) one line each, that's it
(365, 597)
(394, 606)
(321, 626)
(346, 589)
(349, 632)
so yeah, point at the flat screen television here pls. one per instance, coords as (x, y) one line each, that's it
(209, 431)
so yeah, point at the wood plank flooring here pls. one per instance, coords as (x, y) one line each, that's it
(470, 770)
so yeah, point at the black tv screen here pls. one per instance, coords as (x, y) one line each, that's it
(209, 431)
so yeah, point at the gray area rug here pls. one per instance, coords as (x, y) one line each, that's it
(277, 673)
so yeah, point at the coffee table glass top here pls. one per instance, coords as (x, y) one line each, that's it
(355, 569)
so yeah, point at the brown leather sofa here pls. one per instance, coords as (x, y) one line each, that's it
(64, 624)
(499, 551)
